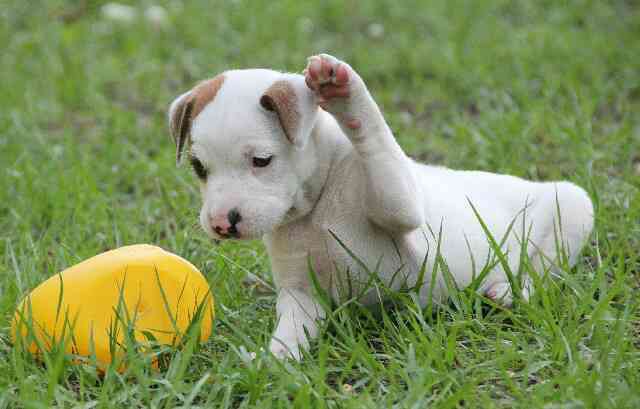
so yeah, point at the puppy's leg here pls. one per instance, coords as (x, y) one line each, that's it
(297, 314)
(568, 212)
(500, 292)
(393, 197)
(561, 221)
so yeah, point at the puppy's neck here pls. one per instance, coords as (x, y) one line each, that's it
(326, 145)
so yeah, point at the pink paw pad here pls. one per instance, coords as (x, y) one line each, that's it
(328, 77)
(354, 123)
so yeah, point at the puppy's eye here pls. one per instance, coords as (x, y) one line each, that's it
(259, 162)
(199, 168)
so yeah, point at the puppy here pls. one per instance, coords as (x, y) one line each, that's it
(308, 164)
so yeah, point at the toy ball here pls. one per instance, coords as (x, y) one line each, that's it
(88, 308)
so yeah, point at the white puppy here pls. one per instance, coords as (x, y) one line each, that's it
(309, 164)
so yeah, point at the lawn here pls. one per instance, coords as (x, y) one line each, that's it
(539, 89)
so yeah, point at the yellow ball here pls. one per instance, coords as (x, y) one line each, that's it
(160, 292)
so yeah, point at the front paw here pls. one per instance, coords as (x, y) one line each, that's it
(334, 82)
(501, 292)
(285, 350)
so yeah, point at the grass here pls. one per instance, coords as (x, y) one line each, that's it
(544, 90)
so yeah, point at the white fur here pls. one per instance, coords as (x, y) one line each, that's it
(358, 185)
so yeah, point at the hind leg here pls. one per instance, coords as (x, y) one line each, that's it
(560, 221)
(569, 214)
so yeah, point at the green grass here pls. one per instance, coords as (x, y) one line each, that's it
(544, 90)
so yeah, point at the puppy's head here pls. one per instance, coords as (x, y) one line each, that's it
(245, 134)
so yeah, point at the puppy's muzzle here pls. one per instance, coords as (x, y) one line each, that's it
(226, 226)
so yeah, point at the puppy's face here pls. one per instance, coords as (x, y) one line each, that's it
(247, 131)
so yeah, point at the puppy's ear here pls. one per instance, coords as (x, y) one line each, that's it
(184, 110)
(295, 105)
(180, 117)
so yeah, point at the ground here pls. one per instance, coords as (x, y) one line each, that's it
(543, 90)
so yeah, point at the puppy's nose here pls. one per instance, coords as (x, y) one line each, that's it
(234, 217)
(226, 225)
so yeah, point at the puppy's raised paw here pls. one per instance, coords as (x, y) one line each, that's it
(327, 76)
(333, 82)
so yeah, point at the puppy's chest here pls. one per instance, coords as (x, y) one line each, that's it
(344, 257)
(339, 243)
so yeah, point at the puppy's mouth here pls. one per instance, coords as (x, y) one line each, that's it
(231, 233)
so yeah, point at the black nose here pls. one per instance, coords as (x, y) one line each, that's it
(234, 218)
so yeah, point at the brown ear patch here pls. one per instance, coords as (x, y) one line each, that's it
(189, 108)
(281, 98)
(205, 92)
